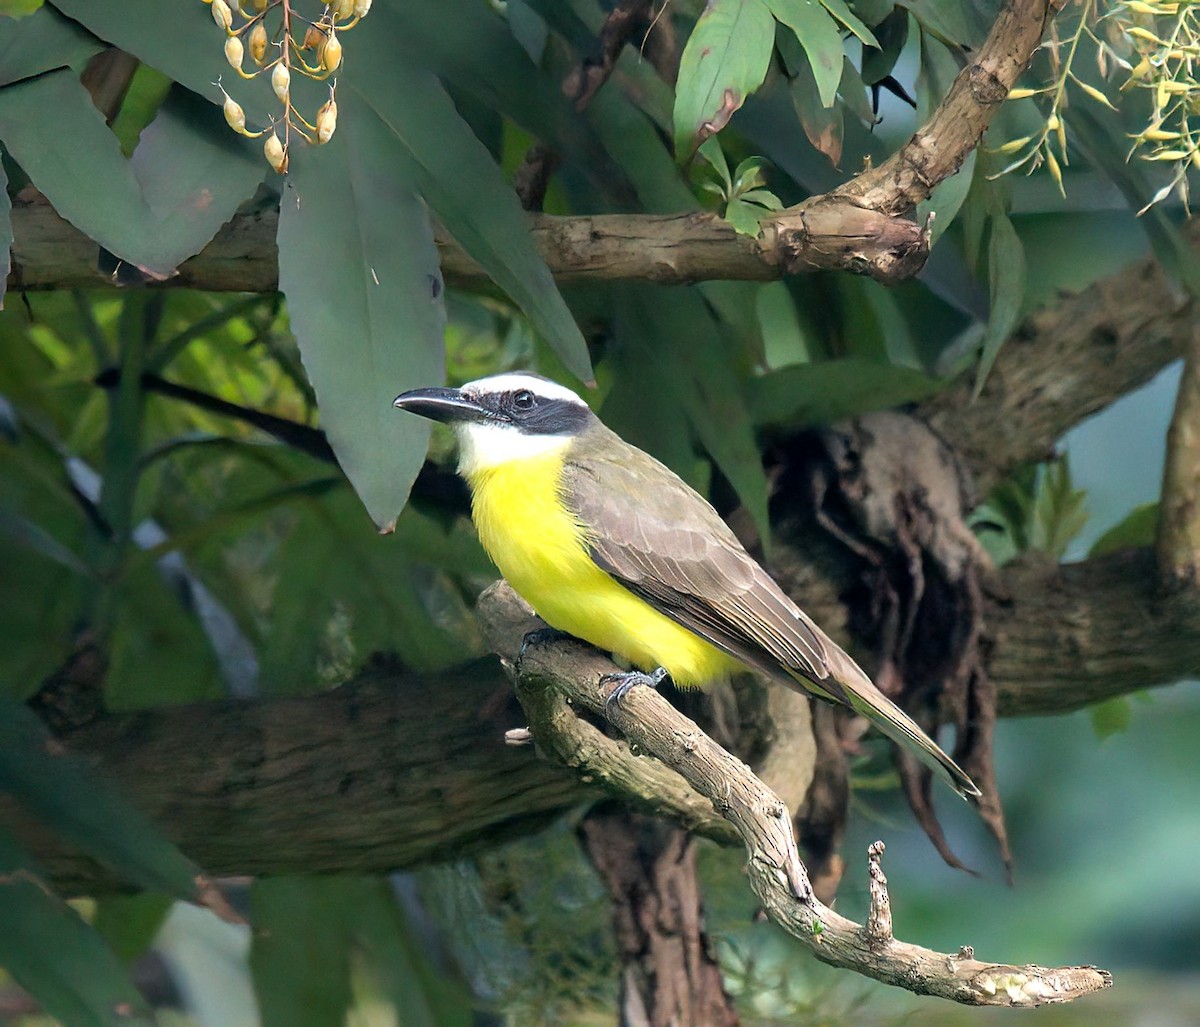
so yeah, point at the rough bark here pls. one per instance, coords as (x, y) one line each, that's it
(398, 770)
(1065, 362)
(1179, 520)
(669, 975)
(858, 227)
(779, 880)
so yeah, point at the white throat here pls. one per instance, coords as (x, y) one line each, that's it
(482, 447)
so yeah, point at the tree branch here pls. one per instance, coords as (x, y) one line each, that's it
(1179, 518)
(1064, 363)
(855, 228)
(397, 770)
(654, 727)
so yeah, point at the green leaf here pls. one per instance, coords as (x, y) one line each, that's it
(404, 970)
(6, 234)
(951, 22)
(41, 42)
(1058, 514)
(197, 172)
(947, 199)
(891, 34)
(724, 61)
(439, 157)
(34, 537)
(57, 957)
(744, 216)
(805, 394)
(669, 336)
(1006, 282)
(851, 20)
(358, 266)
(1112, 716)
(823, 124)
(818, 34)
(66, 794)
(130, 923)
(300, 955)
(1137, 530)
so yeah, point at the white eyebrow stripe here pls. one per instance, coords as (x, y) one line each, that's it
(512, 381)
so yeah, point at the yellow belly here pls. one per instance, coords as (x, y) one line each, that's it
(541, 551)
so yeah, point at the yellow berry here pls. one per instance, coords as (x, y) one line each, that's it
(281, 80)
(234, 51)
(258, 43)
(326, 120)
(275, 153)
(234, 113)
(331, 53)
(361, 7)
(221, 13)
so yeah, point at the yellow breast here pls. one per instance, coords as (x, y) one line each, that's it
(542, 552)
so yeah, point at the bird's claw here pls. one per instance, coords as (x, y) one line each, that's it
(628, 679)
(536, 638)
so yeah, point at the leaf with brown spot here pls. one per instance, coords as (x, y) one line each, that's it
(725, 60)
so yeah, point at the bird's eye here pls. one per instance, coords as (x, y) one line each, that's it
(524, 400)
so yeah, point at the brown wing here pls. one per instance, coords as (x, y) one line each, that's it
(664, 543)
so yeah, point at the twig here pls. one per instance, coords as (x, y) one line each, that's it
(619, 27)
(653, 727)
(1179, 517)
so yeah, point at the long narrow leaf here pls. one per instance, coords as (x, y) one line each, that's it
(724, 61)
(66, 794)
(55, 956)
(440, 158)
(360, 272)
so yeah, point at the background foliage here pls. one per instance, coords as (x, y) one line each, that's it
(149, 507)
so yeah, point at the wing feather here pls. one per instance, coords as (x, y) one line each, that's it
(667, 545)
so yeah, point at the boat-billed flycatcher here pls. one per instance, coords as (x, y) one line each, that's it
(610, 546)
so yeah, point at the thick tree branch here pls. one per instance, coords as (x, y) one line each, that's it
(1179, 520)
(1064, 363)
(855, 228)
(655, 728)
(397, 770)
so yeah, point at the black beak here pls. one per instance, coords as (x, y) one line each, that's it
(442, 405)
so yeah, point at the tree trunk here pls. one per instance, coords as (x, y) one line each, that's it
(669, 975)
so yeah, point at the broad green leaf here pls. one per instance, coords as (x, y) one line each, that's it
(358, 266)
(1137, 530)
(1006, 289)
(787, 332)
(154, 225)
(42, 42)
(57, 957)
(403, 969)
(669, 336)
(806, 394)
(129, 923)
(823, 125)
(947, 199)
(65, 793)
(724, 61)
(31, 535)
(891, 34)
(300, 955)
(818, 34)
(6, 234)
(179, 39)
(952, 22)
(440, 158)
(1112, 716)
(851, 20)
(194, 173)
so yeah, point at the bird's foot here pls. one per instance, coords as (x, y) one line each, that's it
(627, 680)
(538, 638)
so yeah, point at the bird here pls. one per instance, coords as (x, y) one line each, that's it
(610, 546)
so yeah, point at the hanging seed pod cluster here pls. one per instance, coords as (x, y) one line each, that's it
(272, 38)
